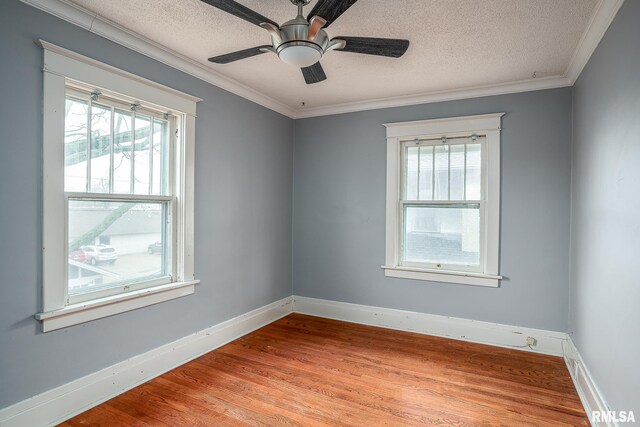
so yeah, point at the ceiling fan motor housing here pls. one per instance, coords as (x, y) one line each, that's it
(295, 46)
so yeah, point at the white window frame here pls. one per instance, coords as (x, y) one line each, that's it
(487, 126)
(64, 68)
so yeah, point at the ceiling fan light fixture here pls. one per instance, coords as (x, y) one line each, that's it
(301, 54)
(301, 41)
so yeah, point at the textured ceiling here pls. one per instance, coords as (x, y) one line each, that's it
(455, 44)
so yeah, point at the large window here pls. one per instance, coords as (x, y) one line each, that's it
(117, 169)
(443, 200)
(117, 191)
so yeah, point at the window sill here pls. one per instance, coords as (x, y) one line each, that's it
(86, 311)
(459, 277)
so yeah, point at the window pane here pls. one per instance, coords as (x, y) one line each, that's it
(426, 173)
(114, 243)
(75, 145)
(457, 172)
(160, 158)
(473, 172)
(141, 156)
(100, 148)
(442, 172)
(411, 175)
(442, 234)
(122, 152)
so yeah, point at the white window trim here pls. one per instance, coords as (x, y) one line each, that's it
(61, 66)
(488, 125)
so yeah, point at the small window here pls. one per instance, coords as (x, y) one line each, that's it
(443, 200)
(118, 159)
(442, 203)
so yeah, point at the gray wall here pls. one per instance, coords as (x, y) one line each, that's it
(339, 212)
(243, 212)
(244, 204)
(605, 221)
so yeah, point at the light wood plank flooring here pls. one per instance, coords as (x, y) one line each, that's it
(304, 370)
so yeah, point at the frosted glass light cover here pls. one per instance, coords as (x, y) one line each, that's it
(300, 56)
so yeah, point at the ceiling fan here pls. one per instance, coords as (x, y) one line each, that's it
(302, 41)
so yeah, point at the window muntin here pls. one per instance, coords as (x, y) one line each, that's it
(119, 197)
(117, 135)
(442, 207)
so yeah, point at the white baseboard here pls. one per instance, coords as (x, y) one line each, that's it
(548, 342)
(590, 396)
(68, 400)
(62, 403)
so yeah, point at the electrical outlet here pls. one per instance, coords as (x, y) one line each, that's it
(531, 341)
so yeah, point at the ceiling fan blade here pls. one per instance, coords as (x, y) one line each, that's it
(241, 54)
(330, 10)
(313, 74)
(240, 11)
(393, 48)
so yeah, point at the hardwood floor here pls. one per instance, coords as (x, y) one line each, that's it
(304, 370)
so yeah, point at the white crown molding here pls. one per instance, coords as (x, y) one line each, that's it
(600, 20)
(602, 16)
(539, 83)
(103, 27)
